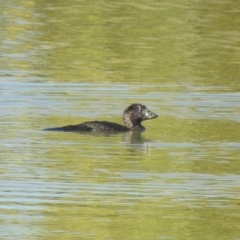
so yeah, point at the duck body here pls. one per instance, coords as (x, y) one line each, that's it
(132, 117)
(94, 126)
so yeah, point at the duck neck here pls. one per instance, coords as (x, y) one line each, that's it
(128, 121)
(129, 125)
(133, 125)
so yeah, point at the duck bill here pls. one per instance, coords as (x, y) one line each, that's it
(150, 115)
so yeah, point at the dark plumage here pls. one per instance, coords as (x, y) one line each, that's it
(132, 117)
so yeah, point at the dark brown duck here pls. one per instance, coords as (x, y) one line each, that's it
(132, 117)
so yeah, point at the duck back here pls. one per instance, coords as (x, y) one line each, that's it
(95, 126)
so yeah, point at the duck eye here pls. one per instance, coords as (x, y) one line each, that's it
(144, 111)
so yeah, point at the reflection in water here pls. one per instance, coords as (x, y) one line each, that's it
(135, 138)
(182, 59)
(131, 138)
(137, 142)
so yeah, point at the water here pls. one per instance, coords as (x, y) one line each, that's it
(69, 62)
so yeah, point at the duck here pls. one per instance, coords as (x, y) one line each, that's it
(133, 115)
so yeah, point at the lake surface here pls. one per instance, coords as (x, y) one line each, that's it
(66, 62)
